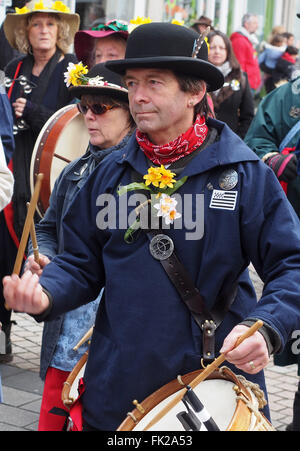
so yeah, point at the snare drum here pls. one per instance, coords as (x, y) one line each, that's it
(231, 401)
(70, 389)
(63, 138)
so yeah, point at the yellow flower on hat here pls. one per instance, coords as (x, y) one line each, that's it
(141, 20)
(75, 74)
(38, 6)
(134, 23)
(60, 6)
(177, 22)
(23, 10)
(207, 43)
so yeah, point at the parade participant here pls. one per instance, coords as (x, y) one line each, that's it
(200, 25)
(44, 32)
(244, 42)
(145, 335)
(7, 247)
(101, 43)
(6, 190)
(233, 103)
(104, 104)
(275, 136)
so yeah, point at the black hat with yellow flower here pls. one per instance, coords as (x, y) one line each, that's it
(169, 46)
(98, 81)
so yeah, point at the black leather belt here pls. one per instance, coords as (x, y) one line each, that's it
(162, 249)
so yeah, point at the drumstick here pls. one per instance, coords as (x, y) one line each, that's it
(26, 229)
(34, 240)
(84, 339)
(205, 373)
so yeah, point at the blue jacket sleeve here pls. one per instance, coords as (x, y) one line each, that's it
(77, 275)
(6, 126)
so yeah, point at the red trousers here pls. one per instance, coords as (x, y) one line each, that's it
(52, 398)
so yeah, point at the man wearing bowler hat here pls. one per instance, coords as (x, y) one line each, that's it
(177, 291)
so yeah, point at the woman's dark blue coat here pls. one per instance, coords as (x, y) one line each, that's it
(144, 335)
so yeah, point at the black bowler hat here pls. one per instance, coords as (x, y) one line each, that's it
(298, 15)
(168, 46)
(100, 80)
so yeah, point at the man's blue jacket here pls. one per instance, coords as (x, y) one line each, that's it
(144, 335)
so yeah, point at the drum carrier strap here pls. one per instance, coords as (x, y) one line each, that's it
(208, 321)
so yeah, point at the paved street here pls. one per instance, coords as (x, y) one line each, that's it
(22, 387)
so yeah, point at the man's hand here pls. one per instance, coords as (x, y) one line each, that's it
(250, 356)
(25, 294)
(34, 267)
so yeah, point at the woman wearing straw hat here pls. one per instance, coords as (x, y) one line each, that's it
(43, 32)
(102, 43)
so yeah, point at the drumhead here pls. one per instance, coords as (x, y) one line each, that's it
(217, 396)
(63, 138)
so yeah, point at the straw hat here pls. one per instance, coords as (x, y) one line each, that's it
(18, 19)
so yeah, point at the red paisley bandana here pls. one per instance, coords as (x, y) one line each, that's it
(179, 148)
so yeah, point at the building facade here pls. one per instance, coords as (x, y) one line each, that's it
(226, 14)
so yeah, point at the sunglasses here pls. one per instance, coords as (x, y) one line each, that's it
(96, 108)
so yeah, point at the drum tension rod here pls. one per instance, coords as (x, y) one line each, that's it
(138, 406)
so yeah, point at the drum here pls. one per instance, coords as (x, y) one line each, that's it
(70, 389)
(63, 138)
(232, 402)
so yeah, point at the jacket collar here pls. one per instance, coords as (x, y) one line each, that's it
(229, 149)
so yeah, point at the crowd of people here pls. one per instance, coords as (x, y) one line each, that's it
(158, 103)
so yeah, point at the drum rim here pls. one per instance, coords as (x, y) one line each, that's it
(65, 394)
(168, 389)
(43, 153)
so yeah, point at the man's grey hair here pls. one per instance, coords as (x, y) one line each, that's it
(247, 18)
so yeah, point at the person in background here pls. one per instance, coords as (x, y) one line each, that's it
(233, 103)
(6, 245)
(108, 120)
(6, 191)
(269, 57)
(290, 39)
(7, 52)
(201, 24)
(244, 42)
(102, 43)
(43, 32)
(285, 67)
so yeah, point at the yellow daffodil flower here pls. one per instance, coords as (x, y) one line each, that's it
(60, 6)
(153, 177)
(75, 74)
(38, 6)
(23, 10)
(167, 178)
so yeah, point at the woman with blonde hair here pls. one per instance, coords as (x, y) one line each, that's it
(42, 32)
